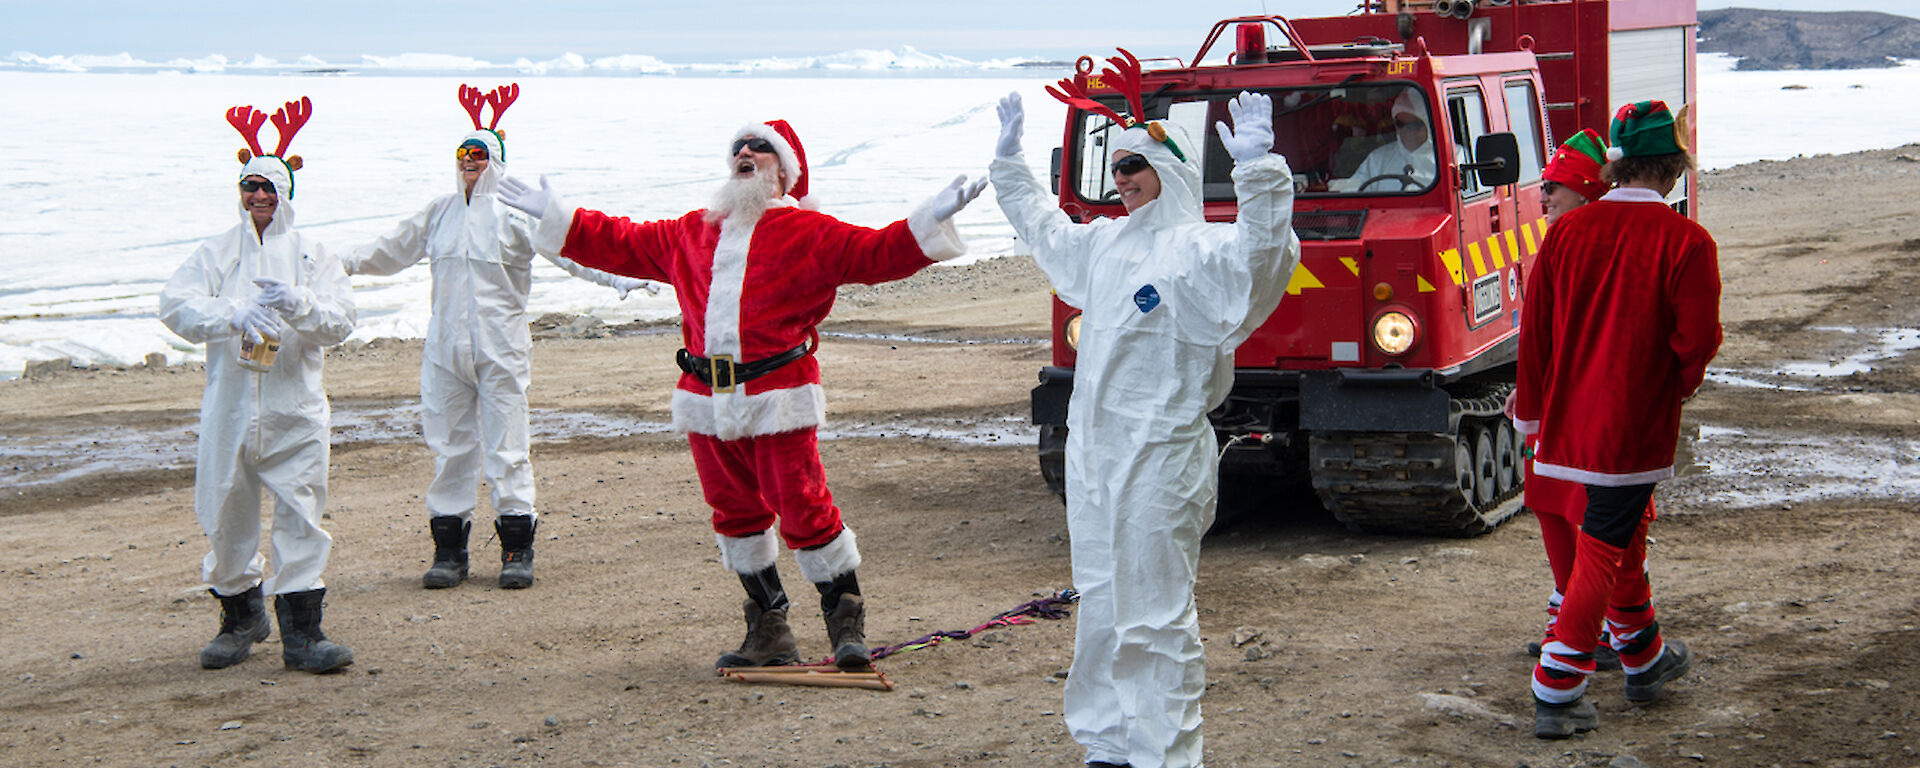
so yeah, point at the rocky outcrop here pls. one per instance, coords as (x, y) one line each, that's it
(1810, 40)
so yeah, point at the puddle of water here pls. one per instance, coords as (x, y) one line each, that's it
(1742, 470)
(1888, 343)
(1728, 377)
(27, 461)
(1011, 430)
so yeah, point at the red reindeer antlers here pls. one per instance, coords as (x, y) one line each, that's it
(247, 121)
(287, 120)
(501, 97)
(1123, 76)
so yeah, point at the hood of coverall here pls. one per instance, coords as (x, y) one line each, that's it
(1179, 200)
(489, 180)
(275, 170)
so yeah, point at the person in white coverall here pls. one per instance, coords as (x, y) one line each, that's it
(1406, 162)
(475, 364)
(1165, 299)
(262, 279)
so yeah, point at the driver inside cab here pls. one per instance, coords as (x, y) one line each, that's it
(1405, 162)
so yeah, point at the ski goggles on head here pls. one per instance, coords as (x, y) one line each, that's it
(250, 186)
(1130, 165)
(471, 150)
(754, 143)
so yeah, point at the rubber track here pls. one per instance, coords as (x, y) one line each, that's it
(1388, 482)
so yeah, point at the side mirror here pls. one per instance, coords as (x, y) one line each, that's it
(1499, 159)
(1056, 171)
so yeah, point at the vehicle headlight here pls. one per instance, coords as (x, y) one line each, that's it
(1394, 332)
(1072, 333)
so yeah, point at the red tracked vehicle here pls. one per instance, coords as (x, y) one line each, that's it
(1381, 376)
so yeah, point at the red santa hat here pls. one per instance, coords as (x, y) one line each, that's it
(793, 157)
(1577, 164)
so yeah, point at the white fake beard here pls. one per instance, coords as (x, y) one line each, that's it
(744, 198)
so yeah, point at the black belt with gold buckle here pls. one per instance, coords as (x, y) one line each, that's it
(721, 374)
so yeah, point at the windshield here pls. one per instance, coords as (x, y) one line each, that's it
(1341, 141)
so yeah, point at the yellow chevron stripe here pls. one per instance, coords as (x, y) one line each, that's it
(1533, 243)
(1451, 258)
(1352, 266)
(1479, 264)
(1540, 225)
(1513, 246)
(1493, 249)
(1302, 280)
(1425, 287)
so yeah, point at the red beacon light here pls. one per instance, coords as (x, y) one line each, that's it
(1250, 43)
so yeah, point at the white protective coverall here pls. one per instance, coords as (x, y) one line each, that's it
(261, 429)
(476, 362)
(1391, 160)
(1165, 298)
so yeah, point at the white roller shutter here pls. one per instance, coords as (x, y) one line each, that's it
(1649, 64)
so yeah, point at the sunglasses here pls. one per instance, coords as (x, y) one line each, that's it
(1549, 188)
(1130, 165)
(255, 186)
(756, 144)
(1409, 125)
(464, 152)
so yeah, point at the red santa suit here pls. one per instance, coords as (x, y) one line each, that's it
(1621, 319)
(748, 292)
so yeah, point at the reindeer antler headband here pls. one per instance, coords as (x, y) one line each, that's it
(1123, 76)
(500, 97)
(286, 120)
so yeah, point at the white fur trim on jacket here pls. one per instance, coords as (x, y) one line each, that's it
(939, 240)
(1590, 477)
(762, 413)
(748, 555)
(836, 557)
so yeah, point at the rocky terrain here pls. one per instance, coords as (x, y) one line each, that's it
(1786, 555)
(1764, 39)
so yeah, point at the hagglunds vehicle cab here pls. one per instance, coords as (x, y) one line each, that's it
(1380, 378)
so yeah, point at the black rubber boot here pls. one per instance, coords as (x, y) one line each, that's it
(1559, 721)
(764, 587)
(769, 641)
(302, 645)
(1673, 663)
(243, 622)
(449, 552)
(846, 613)
(516, 550)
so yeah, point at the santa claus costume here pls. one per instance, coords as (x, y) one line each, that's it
(752, 287)
(1621, 319)
(1558, 505)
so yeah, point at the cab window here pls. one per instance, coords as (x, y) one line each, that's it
(1340, 141)
(1523, 118)
(1467, 111)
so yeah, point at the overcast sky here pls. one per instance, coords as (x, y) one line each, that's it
(678, 31)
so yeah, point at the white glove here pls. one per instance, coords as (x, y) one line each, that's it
(956, 196)
(1013, 121)
(290, 300)
(258, 321)
(518, 196)
(1251, 136)
(626, 285)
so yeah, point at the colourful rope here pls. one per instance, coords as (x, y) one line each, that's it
(1052, 608)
